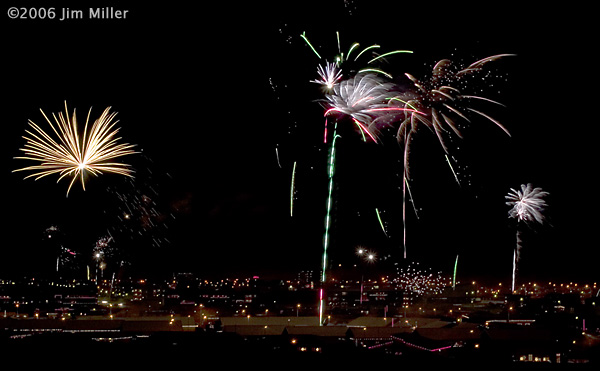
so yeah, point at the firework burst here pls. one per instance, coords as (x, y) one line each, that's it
(372, 101)
(438, 102)
(359, 93)
(329, 75)
(365, 98)
(331, 72)
(527, 205)
(72, 155)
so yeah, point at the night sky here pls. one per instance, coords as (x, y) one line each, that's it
(220, 105)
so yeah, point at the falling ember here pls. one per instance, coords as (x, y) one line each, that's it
(73, 155)
(451, 168)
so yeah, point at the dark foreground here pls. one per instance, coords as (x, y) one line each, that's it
(200, 349)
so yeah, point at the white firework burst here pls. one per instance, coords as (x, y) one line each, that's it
(527, 204)
(329, 75)
(366, 98)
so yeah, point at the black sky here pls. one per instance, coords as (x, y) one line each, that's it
(212, 96)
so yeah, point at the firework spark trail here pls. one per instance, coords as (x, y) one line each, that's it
(303, 36)
(404, 184)
(277, 156)
(451, 168)
(454, 275)
(380, 222)
(292, 190)
(330, 173)
(527, 205)
(74, 156)
(514, 268)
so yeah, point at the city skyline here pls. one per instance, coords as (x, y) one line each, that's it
(224, 114)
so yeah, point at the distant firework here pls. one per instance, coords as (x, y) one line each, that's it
(141, 215)
(102, 249)
(420, 282)
(74, 154)
(67, 260)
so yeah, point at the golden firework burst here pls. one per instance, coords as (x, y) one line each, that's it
(71, 154)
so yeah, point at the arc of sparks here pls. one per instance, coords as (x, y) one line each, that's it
(388, 54)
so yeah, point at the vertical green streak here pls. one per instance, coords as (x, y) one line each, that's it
(454, 277)
(326, 239)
